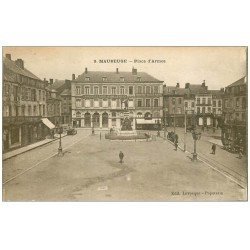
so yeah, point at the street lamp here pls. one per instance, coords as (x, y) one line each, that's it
(196, 136)
(60, 153)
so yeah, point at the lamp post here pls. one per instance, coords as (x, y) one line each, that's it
(60, 153)
(196, 136)
(185, 132)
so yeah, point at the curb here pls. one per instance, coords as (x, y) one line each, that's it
(31, 149)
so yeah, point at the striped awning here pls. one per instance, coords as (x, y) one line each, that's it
(48, 123)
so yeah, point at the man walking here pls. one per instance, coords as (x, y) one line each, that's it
(121, 155)
(213, 149)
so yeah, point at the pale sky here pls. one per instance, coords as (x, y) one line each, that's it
(219, 66)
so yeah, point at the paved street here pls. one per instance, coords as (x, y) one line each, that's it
(90, 171)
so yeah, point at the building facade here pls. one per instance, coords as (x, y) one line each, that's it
(24, 104)
(104, 99)
(234, 128)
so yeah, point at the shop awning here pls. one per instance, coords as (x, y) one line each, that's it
(48, 123)
(143, 121)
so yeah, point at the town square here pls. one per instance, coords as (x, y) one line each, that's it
(122, 133)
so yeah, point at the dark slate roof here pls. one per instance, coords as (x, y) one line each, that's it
(113, 77)
(66, 92)
(58, 83)
(241, 81)
(11, 65)
(217, 93)
(170, 90)
(197, 89)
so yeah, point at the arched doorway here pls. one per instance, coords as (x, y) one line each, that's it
(96, 120)
(87, 119)
(105, 120)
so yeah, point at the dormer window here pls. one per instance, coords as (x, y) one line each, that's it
(104, 79)
(139, 79)
(87, 79)
(122, 79)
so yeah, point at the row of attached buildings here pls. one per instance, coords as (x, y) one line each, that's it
(103, 100)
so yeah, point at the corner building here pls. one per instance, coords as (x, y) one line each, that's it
(103, 99)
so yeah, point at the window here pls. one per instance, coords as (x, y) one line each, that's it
(87, 90)
(178, 110)
(122, 79)
(203, 100)
(96, 90)
(113, 103)
(156, 104)
(130, 90)
(105, 103)
(29, 110)
(209, 101)
(105, 90)
(147, 89)
(237, 102)
(138, 78)
(23, 110)
(122, 90)
(198, 100)
(203, 110)
(139, 102)
(139, 114)
(78, 103)
(113, 90)
(214, 110)
(173, 101)
(87, 103)
(179, 100)
(43, 110)
(214, 103)
(198, 110)
(78, 90)
(87, 79)
(130, 103)
(192, 104)
(156, 89)
(219, 103)
(139, 89)
(104, 79)
(40, 94)
(96, 103)
(209, 109)
(43, 95)
(186, 104)
(147, 102)
(34, 110)
(219, 111)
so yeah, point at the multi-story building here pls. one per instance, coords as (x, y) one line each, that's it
(63, 88)
(235, 113)
(54, 103)
(217, 96)
(104, 99)
(174, 109)
(24, 104)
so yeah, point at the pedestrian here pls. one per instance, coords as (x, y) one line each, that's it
(240, 153)
(176, 144)
(213, 148)
(121, 155)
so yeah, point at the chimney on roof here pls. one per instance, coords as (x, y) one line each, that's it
(73, 76)
(50, 81)
(203, 83)
(187, 85)
(8, 56)
(222, 90)
(20, 63)
(86, 70)
(177, 85)
(117, 71)
(134, 71)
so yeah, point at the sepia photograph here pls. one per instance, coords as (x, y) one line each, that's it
(124, 124)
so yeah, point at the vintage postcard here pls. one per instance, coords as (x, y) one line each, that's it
(124, 124)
